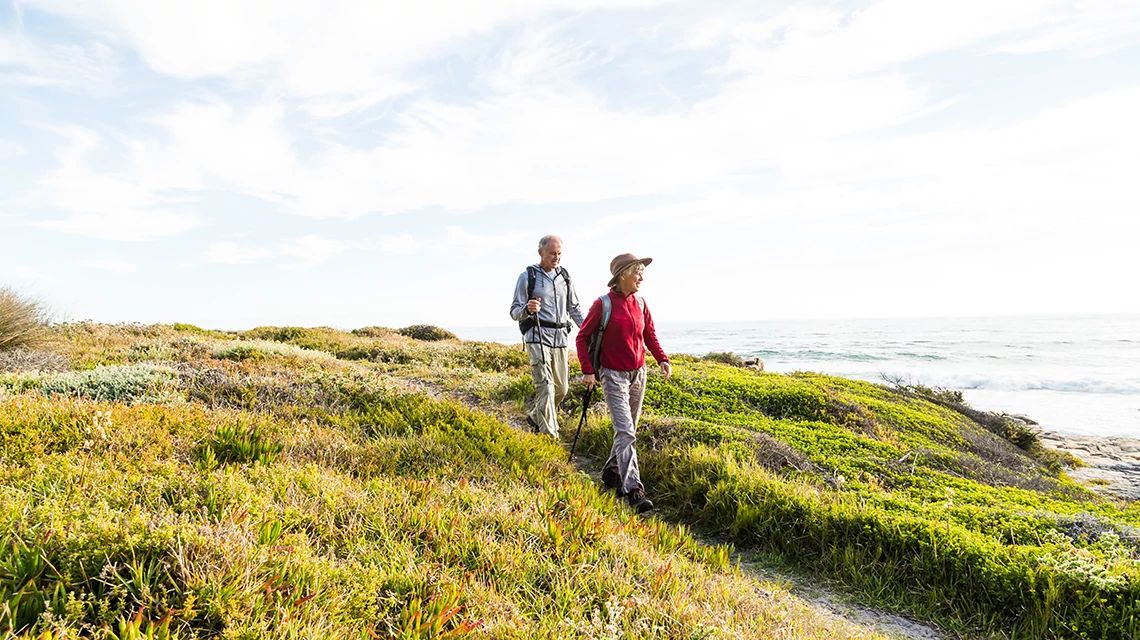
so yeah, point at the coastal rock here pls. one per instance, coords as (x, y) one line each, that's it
(1113, 463)
(754, 363)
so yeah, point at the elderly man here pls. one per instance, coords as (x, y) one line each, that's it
(544, 304)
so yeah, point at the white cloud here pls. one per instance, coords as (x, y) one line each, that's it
(806, 41)
(311, 250)
(112, 265)
(229, 252)
(399, 244)
(819, 129)
(457, 241)
(299, 253)
(340, 52)
(28, 61)
(1088, 27)
(829, 75)
(102, 204)
(10, 150)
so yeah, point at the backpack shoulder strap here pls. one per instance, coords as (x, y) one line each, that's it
(640, 303)
(607, 309)
(566, 277)
(530, 277)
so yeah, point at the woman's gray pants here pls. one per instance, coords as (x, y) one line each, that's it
(624, 391)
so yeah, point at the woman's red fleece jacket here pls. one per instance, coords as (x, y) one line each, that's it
(626, 337)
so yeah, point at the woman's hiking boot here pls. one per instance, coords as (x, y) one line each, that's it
(638, 500)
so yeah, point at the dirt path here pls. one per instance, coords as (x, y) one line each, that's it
(835, 604)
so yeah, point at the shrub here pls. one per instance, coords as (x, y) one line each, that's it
(1020, 432)
(117, 383)
(278, 334)
(724, 357)
(262, 349)
(488, 356)
(237, 444)
(373, 332)
(22, 320)
(22, 359)
(427, 332)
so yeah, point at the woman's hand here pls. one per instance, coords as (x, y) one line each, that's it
(666, 369)
(589, 380)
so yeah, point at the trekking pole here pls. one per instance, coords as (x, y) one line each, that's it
(541, 338)
(587, 399)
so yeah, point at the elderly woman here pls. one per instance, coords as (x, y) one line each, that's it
(625, 328)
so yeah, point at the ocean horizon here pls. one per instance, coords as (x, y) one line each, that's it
(1072, 374)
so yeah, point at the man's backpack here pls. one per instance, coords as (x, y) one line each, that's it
(596, 337)
(527, 323)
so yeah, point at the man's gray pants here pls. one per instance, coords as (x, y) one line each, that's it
(625, 391)
(551, 376)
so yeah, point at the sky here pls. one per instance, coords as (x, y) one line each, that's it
(234, 164)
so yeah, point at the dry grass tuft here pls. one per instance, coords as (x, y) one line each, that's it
(22, 320)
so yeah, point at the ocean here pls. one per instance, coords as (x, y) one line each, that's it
(1075, 374)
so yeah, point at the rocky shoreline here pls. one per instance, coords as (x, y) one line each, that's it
(1113, 462)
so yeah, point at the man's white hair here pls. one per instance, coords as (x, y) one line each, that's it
(545, 240)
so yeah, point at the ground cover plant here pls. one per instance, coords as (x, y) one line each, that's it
(175, 482)
(911, 499)
(908, 501)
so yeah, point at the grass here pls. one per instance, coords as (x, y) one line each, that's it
(22, 321)
(300, 482)
(914, 505)
(165, 488)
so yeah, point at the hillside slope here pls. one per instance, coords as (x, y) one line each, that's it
(172, 482)
(300, 482)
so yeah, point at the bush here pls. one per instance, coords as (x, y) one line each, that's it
(278, 334)
(237, 444)
(373, 332)
(31, 360)
(725, 357)
(428, 332)
(22, 321)
(262, 349)
(119, 383)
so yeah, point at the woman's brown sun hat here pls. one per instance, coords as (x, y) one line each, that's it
(622, 261)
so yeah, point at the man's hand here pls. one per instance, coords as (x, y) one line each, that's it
(589, 380)
(666, 369)
(533, 305)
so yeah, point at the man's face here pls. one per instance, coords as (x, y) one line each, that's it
(550, 255)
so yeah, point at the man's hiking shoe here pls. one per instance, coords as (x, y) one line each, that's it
(637, 500)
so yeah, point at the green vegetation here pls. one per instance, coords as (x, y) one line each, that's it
(913, 504)
(297, 482)
(181, 483)
(724, 357)
(427, 332)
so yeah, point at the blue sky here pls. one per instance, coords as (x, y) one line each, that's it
(234, 163)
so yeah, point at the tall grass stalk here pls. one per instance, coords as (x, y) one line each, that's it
(22, 320)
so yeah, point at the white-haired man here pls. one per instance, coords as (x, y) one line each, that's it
(544, 304)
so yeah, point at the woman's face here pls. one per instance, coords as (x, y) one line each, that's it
(630, 282)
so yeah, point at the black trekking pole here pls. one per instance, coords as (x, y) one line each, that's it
(587, 399)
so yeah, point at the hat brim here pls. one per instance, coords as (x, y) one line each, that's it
(643, 261)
